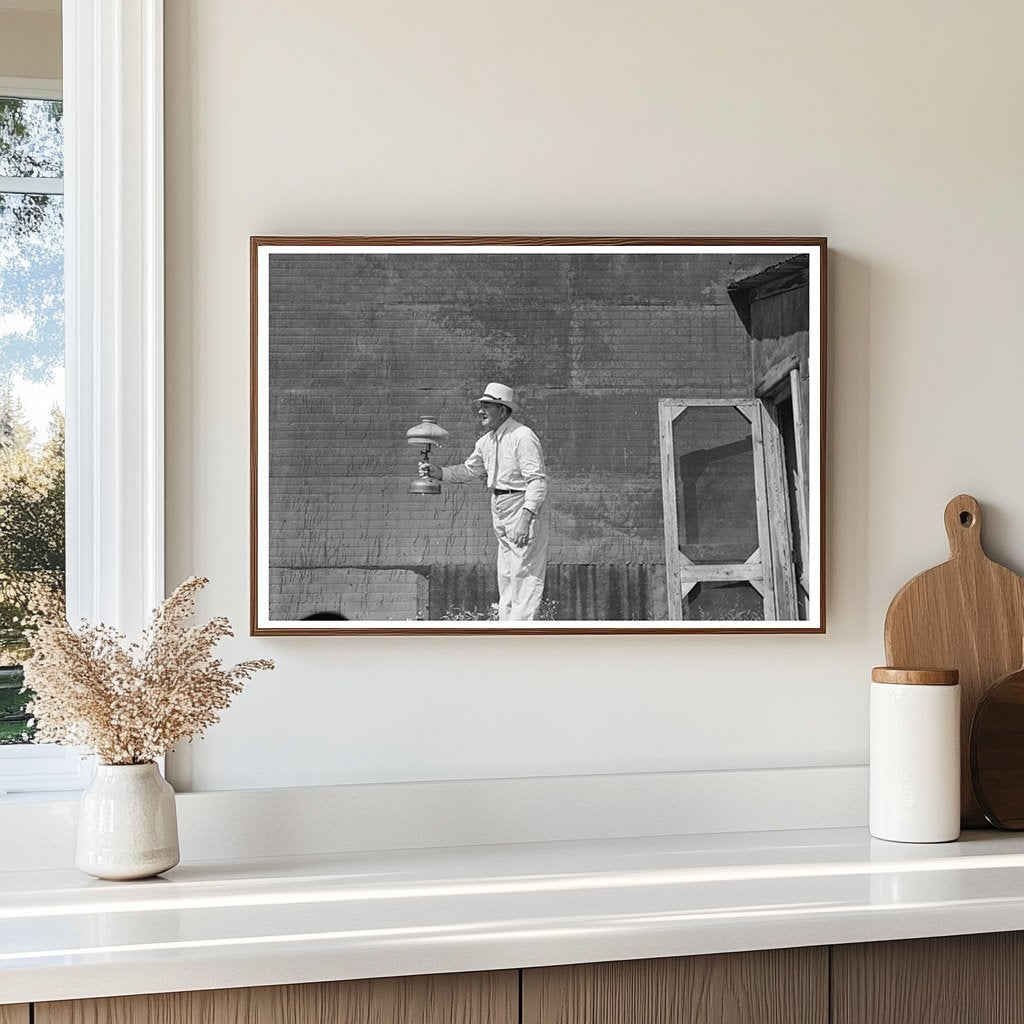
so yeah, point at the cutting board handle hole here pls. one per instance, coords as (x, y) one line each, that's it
(966, 519)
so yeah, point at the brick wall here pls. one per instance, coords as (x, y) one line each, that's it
(362, 345)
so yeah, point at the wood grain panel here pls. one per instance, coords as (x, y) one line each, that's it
(780, 534)
(14, 1014)
(481, 998)
(777, 986)
(961, 979)
(967, 614)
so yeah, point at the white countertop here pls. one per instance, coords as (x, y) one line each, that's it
(225, 924)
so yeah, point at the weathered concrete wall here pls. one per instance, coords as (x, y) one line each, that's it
(362, 345)
(374, 593)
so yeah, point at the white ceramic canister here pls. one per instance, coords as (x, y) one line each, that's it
(915, 755)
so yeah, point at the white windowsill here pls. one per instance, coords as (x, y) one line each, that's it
(241, 824)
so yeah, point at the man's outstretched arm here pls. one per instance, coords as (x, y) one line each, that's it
(472, 469)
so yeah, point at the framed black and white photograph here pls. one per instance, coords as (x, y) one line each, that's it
(537, 435)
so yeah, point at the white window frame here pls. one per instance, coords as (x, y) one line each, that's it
(114, 325)
(31, 89)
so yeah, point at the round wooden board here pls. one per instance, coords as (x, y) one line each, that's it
(997, 752)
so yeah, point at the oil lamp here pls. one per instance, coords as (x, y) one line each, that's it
(425, 434)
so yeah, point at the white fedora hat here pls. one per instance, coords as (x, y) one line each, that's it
(501, 394)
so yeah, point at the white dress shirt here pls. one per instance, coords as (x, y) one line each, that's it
(509, 459)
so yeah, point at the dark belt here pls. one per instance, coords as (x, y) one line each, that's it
(496, 491)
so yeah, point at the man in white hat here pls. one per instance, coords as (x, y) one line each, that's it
(509, 458)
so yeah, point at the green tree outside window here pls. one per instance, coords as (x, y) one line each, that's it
(32, 544)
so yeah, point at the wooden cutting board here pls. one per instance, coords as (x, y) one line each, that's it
(967, 614)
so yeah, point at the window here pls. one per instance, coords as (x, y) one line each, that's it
(32, 530)
(31, 382)
(113, 332)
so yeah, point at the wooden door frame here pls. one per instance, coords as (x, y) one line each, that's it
(781, 382)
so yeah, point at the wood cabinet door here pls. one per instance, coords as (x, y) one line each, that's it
(14, 1014)
(960, 979)
(775, 986)
(480, 998)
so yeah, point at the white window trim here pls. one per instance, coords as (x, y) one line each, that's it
(113, 168)
(42, 768)
(32, 186)
(113, 160)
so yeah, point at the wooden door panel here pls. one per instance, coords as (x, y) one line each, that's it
(683, 574)
(960, 979)
(480, 998)
(779, 986)
(14, 1014)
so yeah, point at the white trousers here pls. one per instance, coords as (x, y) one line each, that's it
(520, 569)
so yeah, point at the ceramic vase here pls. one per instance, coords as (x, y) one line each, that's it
(127, 825)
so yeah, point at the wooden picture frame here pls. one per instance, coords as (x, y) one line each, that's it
(676, 387)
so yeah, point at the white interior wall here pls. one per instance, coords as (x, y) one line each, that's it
(895, 129)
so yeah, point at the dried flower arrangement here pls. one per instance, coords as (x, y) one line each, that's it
(129, 704)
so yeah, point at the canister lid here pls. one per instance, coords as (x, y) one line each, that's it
(916, 676)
